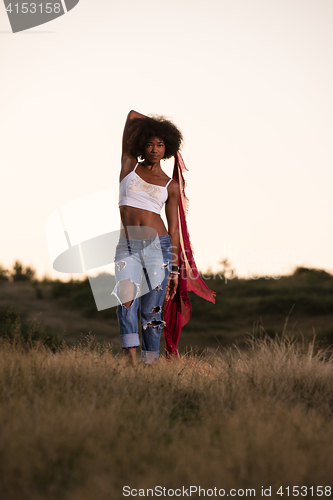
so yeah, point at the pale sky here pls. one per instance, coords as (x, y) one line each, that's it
(249, 83)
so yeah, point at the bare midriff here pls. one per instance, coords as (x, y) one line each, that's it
(140, 224)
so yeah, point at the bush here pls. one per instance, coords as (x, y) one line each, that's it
(311, 274)
(27, 333)
(79, 296)
(4, 274)
(21, 274)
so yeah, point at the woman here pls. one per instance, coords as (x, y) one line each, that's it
(147, 253)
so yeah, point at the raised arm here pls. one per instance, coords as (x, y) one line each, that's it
(127, 161)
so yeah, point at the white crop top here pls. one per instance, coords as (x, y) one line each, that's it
(135, 192)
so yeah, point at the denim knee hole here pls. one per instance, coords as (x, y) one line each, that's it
(114, 292)
(155, 324)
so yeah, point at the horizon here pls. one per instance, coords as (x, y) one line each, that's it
(209, 272)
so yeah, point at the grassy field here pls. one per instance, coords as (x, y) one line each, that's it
(248, 405)
(79, 423)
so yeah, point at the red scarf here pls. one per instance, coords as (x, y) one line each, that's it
(177, 312)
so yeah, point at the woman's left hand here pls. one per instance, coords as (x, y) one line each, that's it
(171, 286)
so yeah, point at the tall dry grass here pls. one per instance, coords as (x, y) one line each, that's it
(81, 423)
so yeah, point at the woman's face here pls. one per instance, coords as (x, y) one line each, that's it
(154, 150)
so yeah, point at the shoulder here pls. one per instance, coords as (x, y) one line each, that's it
(173, 189)
(173, 186)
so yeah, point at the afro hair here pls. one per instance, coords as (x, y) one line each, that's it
(143, 129)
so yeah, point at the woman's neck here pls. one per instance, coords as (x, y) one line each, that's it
(154, 167)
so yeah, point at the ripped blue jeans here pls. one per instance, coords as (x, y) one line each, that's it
(142, 268)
